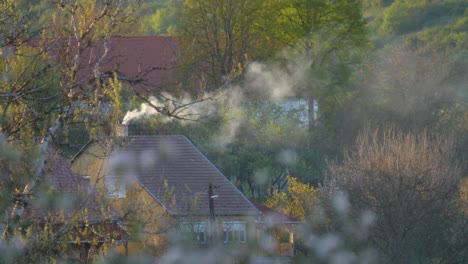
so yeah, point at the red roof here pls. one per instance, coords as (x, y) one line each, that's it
(150, 59)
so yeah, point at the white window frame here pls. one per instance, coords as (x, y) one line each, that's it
(195, 230)
(235, 232)
(115, 187)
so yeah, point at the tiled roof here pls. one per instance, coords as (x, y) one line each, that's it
(72, 192)
(131, 57)
(59, 174)
(173, 160)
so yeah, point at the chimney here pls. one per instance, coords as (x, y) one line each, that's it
(121, 130)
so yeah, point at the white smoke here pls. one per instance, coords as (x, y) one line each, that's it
(273, 82)
(172, 108)
(145, 110)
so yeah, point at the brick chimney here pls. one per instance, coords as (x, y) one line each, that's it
(121, 130)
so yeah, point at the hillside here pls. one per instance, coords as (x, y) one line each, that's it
(437, 23)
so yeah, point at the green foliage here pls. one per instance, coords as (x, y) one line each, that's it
(376, 3)
(218, 38)
(448, 37)
(160, 17)
(330, 36)
(306, 23)
(263, 149)
(30, 93)
(408, 16)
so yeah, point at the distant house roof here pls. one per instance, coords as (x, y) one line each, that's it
(171, 166)
(151, 59)
(272, 216)
(59, 173)
(73, 192)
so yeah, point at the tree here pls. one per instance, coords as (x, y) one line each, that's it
(160, 17)
(258, 146)
(61, 217)
(402, 17)
(43, 87)
(298, 200)
(411, 87)
(410, 181)
(220, 37)
(326, 35)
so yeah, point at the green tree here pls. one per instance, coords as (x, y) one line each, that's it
(407, 16)
(160, 17)
(261, 143)
(326, 35)
(220, 37)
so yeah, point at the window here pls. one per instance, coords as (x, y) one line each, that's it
(194, 231)
(115, 187)
(235, 232)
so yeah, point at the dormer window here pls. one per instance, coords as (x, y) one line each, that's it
(115, 187)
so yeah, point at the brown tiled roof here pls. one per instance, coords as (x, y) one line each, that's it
(133, 56)
(59, 174)
(74, 194)
(150, 58)
(174, 160)
(272, 216)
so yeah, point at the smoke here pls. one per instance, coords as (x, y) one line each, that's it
(275, 81)
(268, 82)
(271, 82)
(171, 108)
(144, 111)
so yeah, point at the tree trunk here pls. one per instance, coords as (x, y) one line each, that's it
(312, 114)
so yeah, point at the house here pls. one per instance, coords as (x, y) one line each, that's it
(83, 225)
(171, 186)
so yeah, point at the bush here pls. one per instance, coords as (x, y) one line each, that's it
(410, 181)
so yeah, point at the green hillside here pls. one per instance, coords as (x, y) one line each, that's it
(439, 23)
